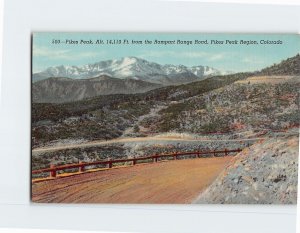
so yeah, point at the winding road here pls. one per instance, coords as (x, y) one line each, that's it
(141, 139)
(172, 182)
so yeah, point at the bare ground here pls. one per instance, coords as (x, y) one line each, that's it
(270, 79)
(124, 140)
(265, 173)
(170, 182)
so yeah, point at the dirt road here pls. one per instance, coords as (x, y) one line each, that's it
(124, 140)
(178, 181)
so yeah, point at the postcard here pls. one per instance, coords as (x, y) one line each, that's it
(165, 118)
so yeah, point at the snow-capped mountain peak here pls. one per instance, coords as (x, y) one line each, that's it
(131, 67)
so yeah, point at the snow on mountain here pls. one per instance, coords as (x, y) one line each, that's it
(131, 67)
(173, 69)
(203, 71)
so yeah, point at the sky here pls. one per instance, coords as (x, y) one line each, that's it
(51, 49)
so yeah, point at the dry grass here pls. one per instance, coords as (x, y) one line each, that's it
(165, 182)
(268, 79)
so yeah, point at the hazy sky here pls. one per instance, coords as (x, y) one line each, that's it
(234, 57)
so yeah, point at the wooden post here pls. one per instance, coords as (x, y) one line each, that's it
(134, 161)
(109, 163)
(175, 156)
(52, 173)
(81, 168)
(155, 158)
(214, 153)
(198, 154)
(226, 153)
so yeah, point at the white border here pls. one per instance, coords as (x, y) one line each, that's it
(271, 2)
(1, 40)
(24, 17)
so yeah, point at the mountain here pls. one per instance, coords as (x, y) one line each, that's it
(58, 90)
(224, 103)
(133, 68)
(290, 66)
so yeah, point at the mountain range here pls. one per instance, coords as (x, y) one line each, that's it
(57, 90)
(133, 68)
(129, 75)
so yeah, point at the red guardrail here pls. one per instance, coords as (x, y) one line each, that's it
(109, 163)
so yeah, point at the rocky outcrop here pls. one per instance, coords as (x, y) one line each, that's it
(265, 173)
